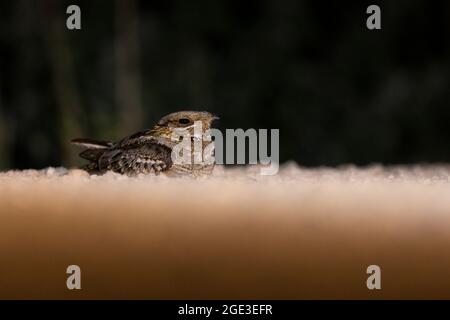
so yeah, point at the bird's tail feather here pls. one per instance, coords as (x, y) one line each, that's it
(92, 144)
(92, 154)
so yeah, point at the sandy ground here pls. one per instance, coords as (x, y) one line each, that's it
(304, 233)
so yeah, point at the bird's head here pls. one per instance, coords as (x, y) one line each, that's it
(184, 120)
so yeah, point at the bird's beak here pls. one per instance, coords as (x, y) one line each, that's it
(214, 117)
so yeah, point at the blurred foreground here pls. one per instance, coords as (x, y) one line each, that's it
(305, 233)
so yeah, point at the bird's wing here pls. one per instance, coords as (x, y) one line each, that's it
(138, 139)
(146, 158)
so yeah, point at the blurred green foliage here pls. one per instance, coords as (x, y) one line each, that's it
(338, 92)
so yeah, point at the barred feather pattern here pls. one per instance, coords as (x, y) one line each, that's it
(146, 152)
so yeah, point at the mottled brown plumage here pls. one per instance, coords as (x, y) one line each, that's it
(148, 151)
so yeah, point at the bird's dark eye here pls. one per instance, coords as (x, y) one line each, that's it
(184, 121)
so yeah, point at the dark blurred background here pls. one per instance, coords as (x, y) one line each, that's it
(338, 92)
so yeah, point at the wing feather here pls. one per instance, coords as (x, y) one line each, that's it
(147, 158)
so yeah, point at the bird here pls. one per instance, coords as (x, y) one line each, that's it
(150, 151)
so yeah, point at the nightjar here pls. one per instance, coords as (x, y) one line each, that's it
(150, 151)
